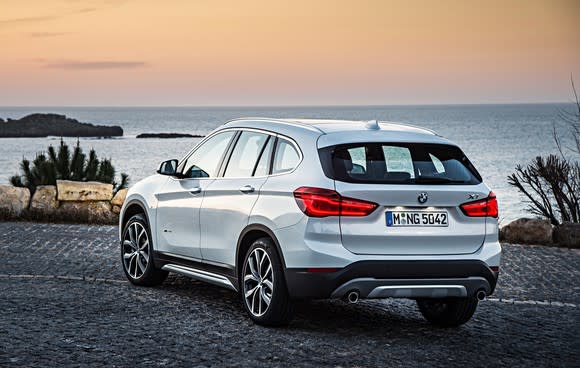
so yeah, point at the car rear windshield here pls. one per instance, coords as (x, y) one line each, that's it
(398, 163)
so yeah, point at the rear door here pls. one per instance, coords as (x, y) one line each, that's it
(419, 188)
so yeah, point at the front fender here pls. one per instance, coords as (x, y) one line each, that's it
(143, 194)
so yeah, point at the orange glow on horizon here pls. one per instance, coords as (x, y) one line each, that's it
(146, 52)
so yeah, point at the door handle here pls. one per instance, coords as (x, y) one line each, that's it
(195, 190)
(247, 189)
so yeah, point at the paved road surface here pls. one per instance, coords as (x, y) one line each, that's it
(64, 302)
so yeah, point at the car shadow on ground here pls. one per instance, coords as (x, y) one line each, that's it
(368, 317)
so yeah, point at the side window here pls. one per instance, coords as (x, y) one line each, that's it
(398, 160)
(359, 160)
(204, 161)
(286, 157)
(264, 163)
(245, 154)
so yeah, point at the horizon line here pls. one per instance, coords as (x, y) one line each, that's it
(290, 105)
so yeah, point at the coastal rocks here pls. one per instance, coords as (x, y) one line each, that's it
(97, 211)
(119, 197)
(44, 199)
(43, 125)
(13, 200)
(68, 201)
(527, 231)
(118, 200)
(567, 235)
(86, 201)
(83, 191)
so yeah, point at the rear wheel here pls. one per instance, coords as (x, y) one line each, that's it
(263, 290)
(137, 254)
(448, 312)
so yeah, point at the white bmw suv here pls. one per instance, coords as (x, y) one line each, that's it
(287, 209)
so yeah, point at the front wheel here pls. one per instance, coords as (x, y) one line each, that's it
(137, 253)
(448, 312)
(263, 290)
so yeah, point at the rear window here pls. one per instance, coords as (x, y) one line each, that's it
(398, 163)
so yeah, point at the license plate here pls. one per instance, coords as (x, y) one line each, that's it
(417, 218)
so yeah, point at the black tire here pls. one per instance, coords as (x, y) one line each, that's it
(280, 309)
(450, 312)
(143, 253)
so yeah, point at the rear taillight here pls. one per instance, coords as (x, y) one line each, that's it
(318, 202)
(486, 207)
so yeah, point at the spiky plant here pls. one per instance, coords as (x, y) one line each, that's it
(92, 166)
(77, 163)
(123, 184)
(106, 173)
(61, 165)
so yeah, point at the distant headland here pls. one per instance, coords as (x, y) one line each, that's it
(43, 125)
(169, 135)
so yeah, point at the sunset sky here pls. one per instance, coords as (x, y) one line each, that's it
(313, 52)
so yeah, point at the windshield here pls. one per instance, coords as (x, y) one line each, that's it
(398, 163)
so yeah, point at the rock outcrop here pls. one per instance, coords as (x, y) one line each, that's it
(96, 211)
(527, 231)
(44, 199)
(83, 191)
(567, 234)
(69, 201)
(43, 125)
(169, 135)
(13, 200)
(119, 197)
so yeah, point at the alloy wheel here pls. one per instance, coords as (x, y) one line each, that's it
(136, 250)
(258, 282)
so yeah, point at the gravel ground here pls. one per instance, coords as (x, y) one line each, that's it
(65, 302)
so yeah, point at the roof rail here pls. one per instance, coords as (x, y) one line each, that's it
(277, 120)
(413, 126)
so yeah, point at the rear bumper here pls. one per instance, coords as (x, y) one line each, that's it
(404, 279)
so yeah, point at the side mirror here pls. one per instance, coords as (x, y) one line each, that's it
(168, 167)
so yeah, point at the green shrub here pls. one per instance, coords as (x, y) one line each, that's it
(46, 170)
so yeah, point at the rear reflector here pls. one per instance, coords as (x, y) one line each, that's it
(321, 270)
(486, 207)
(319, 202)
(495, 268)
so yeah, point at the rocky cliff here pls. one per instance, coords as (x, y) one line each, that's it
(42, 125)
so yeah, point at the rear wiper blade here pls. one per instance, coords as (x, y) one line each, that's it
(436, 179)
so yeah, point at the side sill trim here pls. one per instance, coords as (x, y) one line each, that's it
(200, 275)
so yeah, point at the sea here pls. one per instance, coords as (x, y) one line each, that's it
(496, 138)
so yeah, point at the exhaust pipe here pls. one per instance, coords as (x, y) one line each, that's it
(480, 294)
(352, 296)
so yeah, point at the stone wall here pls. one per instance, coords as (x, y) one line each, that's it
(68, 201)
